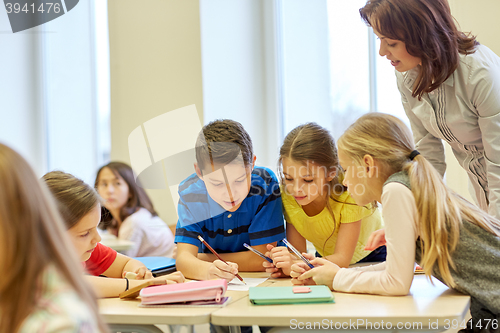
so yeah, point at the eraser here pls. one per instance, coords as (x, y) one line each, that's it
(301, 290)
(131, 275)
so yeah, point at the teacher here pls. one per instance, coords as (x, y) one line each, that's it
(449, 85)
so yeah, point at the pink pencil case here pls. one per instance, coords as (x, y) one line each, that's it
(184, 292)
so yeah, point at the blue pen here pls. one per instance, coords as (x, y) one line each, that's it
(294, 250)
(257, 252)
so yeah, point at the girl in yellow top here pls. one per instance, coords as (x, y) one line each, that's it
(317, 207)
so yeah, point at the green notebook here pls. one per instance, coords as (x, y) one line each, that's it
(290, 295)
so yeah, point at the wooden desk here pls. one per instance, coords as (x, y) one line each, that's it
(117, 311)
(426, 305)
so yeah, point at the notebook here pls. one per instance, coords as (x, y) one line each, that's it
(290, 295)
(158, 265)
(210, 290)
(193, 304)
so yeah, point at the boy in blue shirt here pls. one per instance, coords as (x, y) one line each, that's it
(228, 201)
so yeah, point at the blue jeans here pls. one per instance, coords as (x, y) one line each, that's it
(376, 255)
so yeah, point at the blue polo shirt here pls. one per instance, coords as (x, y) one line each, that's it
(259, 219)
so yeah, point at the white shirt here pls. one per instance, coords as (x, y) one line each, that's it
(151, 236)
(395, 275)
(465, 112)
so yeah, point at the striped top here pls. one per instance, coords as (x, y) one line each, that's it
(59, 309)
(259, 219)
(465, 112)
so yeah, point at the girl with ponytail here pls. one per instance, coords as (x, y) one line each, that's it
(425, 221)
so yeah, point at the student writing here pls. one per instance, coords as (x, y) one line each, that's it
(452, 239)
(42, 288)
(228, 201)
(317, 206)
(80, 207)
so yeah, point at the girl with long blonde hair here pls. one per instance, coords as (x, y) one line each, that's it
(425, 221)
(42, 286)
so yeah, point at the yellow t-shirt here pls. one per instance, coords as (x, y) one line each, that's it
(318, 229)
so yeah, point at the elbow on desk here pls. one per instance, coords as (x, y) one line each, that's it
(398, 288)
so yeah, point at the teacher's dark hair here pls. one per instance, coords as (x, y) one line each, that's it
(428, 29)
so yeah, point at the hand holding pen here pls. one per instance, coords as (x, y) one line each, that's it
(297, 253)
(323, 273)
(219, 257)
(282, 260)
(258, 253)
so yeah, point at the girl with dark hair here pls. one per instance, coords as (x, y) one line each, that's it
(131, 214)
(317, 207)
(42, 287)
(449, 85)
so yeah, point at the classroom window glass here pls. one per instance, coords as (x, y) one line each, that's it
(326, 73)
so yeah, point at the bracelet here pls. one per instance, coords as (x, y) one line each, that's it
(127, 284)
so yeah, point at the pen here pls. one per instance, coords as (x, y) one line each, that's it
(218, 256)
(257, 252)
(294, 250)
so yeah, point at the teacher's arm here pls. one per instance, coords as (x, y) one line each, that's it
(486, 99)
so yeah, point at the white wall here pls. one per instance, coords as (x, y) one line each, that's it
(155, 59)
(480, 18)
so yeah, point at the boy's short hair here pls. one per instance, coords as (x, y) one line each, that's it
(221, 141)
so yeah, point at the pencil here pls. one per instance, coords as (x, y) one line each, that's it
(218, 256)
(290, 246)
(257, 252)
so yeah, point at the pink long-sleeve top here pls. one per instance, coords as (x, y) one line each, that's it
(395, 275)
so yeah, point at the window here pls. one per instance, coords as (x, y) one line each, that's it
(273, 65)
(331, 70)
(55, 86)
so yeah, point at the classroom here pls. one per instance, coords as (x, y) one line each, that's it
(136, 81)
